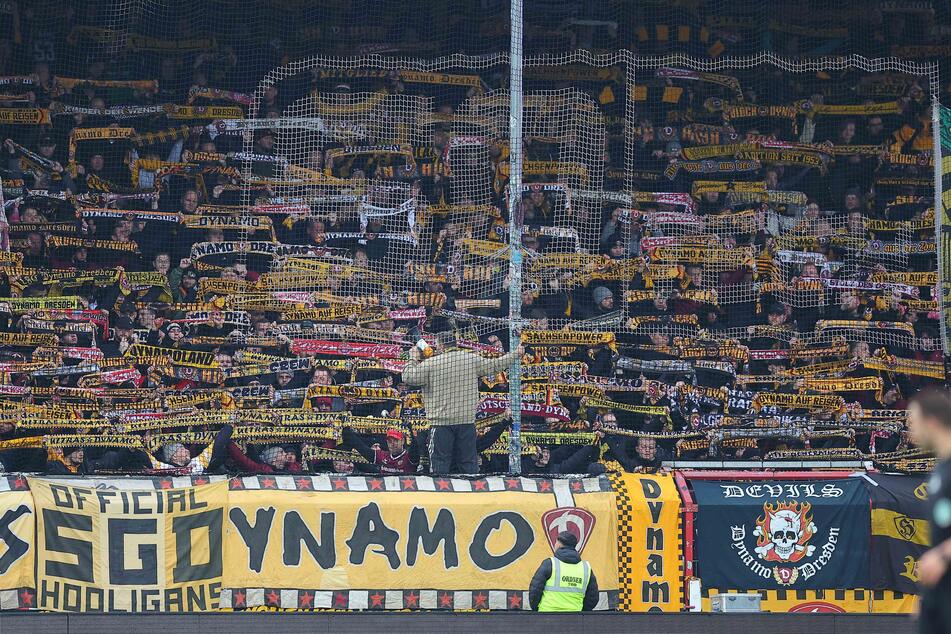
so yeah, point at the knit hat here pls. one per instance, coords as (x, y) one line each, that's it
(601, 293)
(567, 539)
(170, 449)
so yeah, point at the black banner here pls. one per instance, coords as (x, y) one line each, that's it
(783, 535)
(900, 532)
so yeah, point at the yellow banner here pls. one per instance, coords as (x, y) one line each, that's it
(408, 540)
(648, 533)
(17, 534)
(885, 523)
(129, 550)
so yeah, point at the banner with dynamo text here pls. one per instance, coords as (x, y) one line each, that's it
(307, 541)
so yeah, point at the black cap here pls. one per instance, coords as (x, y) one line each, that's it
(46, 140)
(124, 323)
(567, 539)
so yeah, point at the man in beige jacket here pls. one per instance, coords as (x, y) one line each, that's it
(450, 386)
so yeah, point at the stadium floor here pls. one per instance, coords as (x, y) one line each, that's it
(446, 622)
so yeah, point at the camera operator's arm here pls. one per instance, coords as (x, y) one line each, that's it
(488, 367)
(416, 373)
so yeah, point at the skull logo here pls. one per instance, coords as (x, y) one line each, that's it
(783, 531)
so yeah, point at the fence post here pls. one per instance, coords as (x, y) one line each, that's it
(515, 233)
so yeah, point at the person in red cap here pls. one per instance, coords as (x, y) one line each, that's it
(395, 459)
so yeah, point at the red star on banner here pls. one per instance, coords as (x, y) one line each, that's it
(200, 480)
(268, 483)
(544, 485)
(576, 485)
(26, 598)
(515, 600)
(513, 483)
(443, 484)
(445, 600)
(409, 484)
(376, 600)
(376, 484)
(480, 485)
(239, 599)
(165, 484)
(411, 600)
(340, 484)
(480, 600)
(305, 599)
(20, 483)
(273, 598)
(340, 599)
(235, 484)
(304, 483)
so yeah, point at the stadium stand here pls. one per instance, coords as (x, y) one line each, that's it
(227, 224)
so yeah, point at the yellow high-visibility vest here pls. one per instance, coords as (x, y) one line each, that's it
(565, 588)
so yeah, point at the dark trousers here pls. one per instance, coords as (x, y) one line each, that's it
(452, 449)
(935, 614)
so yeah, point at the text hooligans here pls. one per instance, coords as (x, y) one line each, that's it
(112, 550)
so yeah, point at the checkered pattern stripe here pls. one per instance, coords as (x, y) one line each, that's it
(18, 599)
(299, 599)
(680, 589)
(625, 532)
(330, 483)
(179, 482)
(853, 594)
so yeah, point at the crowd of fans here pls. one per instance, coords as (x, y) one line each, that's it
(745, 271)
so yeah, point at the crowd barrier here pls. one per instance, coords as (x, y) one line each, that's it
(844, 543)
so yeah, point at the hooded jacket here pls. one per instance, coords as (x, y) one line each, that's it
(537, 587)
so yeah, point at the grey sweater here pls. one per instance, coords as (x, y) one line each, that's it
(450, 383)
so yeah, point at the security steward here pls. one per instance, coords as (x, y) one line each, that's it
(564, 583)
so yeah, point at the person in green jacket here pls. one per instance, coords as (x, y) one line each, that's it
(450, 386)
(564, 583)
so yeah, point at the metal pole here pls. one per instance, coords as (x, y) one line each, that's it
(515, 233)
(940, 238)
